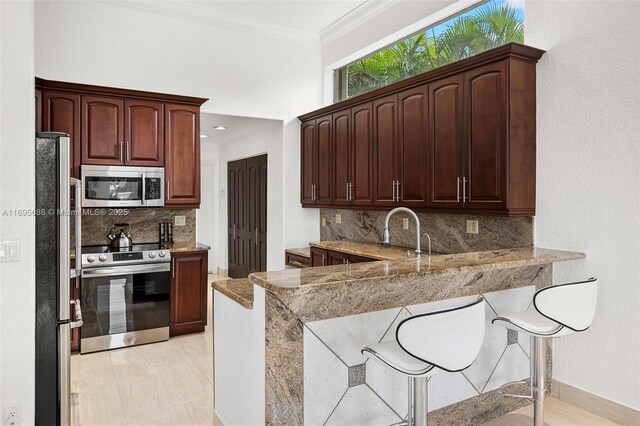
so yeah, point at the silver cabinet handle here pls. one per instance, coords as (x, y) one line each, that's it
(464, 189)
(121, 152)
(398, 191)
(128, 150)
(78, 322)
(173, 268)
(144, 183)
(348, 198)
(167, 193)
(324, 260)
(393, 193)
(458, 190)
(350, 192)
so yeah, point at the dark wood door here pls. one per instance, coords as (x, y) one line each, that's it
(446, 136)
(413, 120)
(385, 152)
(361, 155)
(61, 113)
(102, 130)
(237, 216)
(486, 108)
(144, 133)
(256, 212)
(342, 157)
(307, 159)
(38, 108)
(188, 301)
(182, 155)
(319, 257)
(323, 160)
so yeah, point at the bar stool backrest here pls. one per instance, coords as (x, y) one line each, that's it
(450, 339)
(572, 305)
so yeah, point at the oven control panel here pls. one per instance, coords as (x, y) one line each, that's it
(92, 260)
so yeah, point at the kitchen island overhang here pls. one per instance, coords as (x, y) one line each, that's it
(302, 306)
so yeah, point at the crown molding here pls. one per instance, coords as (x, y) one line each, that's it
(354, 19)
(205, 15)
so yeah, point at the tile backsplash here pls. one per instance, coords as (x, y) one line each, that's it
(448, 232)
(144, 222)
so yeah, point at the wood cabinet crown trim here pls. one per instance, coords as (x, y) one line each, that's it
(88, 89)
(510, 50)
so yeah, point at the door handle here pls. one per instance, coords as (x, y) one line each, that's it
(78, 322)
(173, 268)
(398, 191)
(464, 189)
(127, 150)
(233, 230)
(458, 190)
(256, 237)
(121, 153)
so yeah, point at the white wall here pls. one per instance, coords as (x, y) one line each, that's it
(17, 183)
(588, 178)
(243, 74)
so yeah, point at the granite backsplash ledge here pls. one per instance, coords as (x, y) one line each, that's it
(448, 232)
(144, 222)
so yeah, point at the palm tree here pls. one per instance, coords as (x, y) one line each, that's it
(492, 25)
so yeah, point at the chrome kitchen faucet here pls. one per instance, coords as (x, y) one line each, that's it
(387, 235)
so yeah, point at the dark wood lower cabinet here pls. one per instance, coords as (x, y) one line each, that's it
(247, 216)
(188, 293)
(321, 257)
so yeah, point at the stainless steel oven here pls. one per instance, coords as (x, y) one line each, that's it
(124, 302)
(122, 186)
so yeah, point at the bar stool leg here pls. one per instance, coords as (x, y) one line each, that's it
(420, 401)
(538, 370)
(410, 397)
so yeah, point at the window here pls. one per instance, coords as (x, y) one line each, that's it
(488, 25)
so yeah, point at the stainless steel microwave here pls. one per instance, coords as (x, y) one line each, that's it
(122, 186)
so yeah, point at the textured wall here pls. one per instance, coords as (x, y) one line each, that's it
(448, 232)
(588, 98)
(96, 223)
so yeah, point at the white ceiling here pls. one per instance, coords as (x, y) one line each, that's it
(238, 128)
(293, 19)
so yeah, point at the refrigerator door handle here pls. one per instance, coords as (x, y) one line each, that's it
(78, 223)
(78, 322)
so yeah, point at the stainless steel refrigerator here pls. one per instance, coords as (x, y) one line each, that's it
(54, 246)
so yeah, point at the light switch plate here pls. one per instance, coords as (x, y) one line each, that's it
(324, 221)
(180, 220)
(472, 227)
(338, 218)
(405, 223)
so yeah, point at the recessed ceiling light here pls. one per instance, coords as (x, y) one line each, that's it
(204, 136)
(219, 128)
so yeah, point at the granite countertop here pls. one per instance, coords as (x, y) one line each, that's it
(239, 290)
(372, 250)
(303, 251)
(182, 247)
(293, 282)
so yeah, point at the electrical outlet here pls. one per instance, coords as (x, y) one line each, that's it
(180, 220)
(338, 218)
(10, 251)
(11, 417)
(324, 221)
(405, 223)
(472, 227)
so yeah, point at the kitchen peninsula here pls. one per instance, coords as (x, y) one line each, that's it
(293, 356)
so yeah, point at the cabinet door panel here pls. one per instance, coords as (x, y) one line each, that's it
(182, 155)
(337, 258)
(445, 141)
(318, 257)
(144, 138)
(412, 137)
(188, 293)
(307, 148)
(323, 161)
(361, 155)
(256, 213)
(385, 149)
(486, 109)
(102, 130)
(61, 113)
(341, 156)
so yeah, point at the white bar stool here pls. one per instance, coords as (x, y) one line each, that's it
(558, 310)
(430, 343)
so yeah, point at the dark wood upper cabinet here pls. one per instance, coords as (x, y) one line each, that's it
(323, 163)
(316, 157)
(144, 133)
(446, 137)
(102, 130)
(412, 146)
(182, 155)
(459, 138)
(61, 113)
(188, 301)
(307, 167)
(385, 150)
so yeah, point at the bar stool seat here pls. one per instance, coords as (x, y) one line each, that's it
(531, 322)
(392, 354)
(447, 340)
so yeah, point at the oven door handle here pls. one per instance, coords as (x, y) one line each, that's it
(126, 270)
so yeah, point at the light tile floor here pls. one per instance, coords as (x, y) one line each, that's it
(171, 383)
(166, 383)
